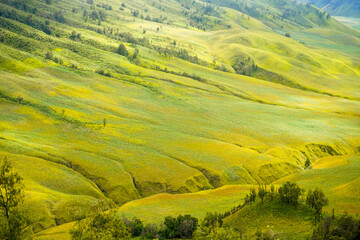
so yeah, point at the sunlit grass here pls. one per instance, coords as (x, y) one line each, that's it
(78, 136)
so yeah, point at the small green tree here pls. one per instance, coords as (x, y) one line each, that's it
(186, 228)
(49, 55)
(136, 54)
(307, 163)
(75, 36)
(317, 200)
(211, 222)
(12, 221)
(135, 57)
(19, 99)
(262, 192)
(252, 195)
(122, 50)
(272, 192)
(247, 199)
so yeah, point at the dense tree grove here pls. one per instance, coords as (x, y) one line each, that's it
(289, 193)
(244, 65)
(344, 227)
(135, 226)
(102, 226)
(211, 222)
(250, 198)
(109, 226)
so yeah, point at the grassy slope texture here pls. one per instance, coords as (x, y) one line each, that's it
(217, 96)
(286, 221)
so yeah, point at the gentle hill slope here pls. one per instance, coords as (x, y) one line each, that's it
(285, 221)
(338, 177)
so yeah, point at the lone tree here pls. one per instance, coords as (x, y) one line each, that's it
(49, 55)
(136, 54)
(317, 200)
(12, 221)
(122, 50)
(135, 57)
(307, 163)
(19, 99)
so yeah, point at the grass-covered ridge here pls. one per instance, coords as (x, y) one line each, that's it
(342, 174)
(181, 117)
(284, 220)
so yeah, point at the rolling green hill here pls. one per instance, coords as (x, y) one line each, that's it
(338, 176)
(217, 96)
(273, 217)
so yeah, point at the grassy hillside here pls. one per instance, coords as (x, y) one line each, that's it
(224, 99)
(285, 221)
(338, 177)
(155, 208)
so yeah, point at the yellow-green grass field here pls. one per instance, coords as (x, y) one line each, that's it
(165, 132)
(338, 177)
(155, 208)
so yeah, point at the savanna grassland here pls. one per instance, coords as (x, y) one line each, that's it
(204, 100)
